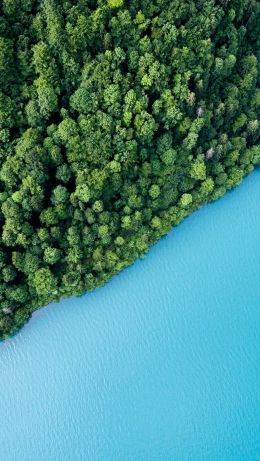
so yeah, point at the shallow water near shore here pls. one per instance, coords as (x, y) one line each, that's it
(160, 364)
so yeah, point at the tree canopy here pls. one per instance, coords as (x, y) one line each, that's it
(117, 120)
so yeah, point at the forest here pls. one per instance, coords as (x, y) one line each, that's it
(117, 120)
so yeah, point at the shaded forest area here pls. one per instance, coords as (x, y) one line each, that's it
(117, 120)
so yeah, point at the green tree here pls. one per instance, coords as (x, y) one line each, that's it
(44, 282)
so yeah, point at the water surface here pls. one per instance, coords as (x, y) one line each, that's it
(161, 364)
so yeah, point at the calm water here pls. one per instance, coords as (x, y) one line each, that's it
(161, 364)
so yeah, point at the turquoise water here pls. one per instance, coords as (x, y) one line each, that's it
(161, 364)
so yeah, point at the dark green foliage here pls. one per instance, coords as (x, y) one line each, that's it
(117, 120)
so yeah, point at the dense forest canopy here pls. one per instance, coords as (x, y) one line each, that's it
(117, 119)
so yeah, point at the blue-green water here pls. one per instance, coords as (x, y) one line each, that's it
(161, 364)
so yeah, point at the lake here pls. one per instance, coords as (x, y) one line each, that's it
(160, 364)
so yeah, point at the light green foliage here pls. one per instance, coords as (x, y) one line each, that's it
(119, 241)
(117, 120)
(198, 169)
(115, 3)
(98, 206)
(154, 191)
(83, 193)
(156, 222)
(185, 200)
(52, 255)
(44, 282)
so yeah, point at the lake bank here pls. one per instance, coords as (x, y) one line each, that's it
(159, 364)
